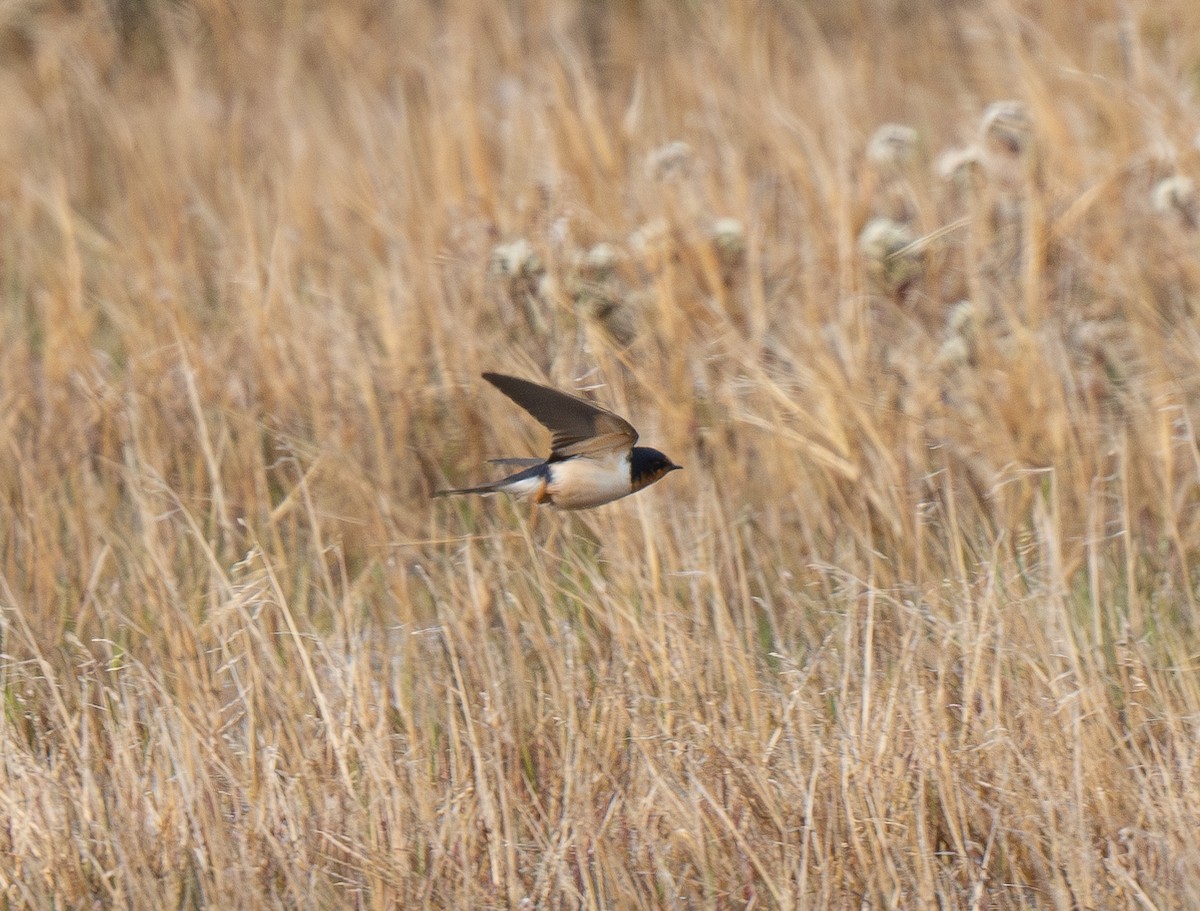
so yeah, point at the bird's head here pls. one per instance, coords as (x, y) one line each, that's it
(647, 465)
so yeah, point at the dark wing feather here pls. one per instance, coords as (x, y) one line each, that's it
(579, 427)
(517, 462)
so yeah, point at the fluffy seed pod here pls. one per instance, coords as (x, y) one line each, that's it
(892, 147)
(889, 251)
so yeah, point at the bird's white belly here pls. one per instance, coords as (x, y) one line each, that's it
(586, 482)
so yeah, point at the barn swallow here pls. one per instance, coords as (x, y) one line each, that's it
(592, 457)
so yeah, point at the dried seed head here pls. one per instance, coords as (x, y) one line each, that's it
(599, 293)
(1006, 128)
(651, 242)
(958, 347)
(963, 319)
(729, 237)
(521, 283)
(884, 237)
(892, 146)
(955, 351)
(515, 260)
(889, 249)
(1175, 197)
(611, 309)
(1101, 339)
(958, 165)
(672, 160)
(599, 262)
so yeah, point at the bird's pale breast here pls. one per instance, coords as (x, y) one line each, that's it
(586, 482)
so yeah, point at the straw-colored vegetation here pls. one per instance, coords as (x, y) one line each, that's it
(916, 627)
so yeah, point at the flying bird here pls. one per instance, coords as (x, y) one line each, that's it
(592, 457)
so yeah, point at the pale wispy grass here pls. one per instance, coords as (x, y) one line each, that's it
(914, 628)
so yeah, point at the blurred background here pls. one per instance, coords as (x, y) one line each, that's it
(909, 288)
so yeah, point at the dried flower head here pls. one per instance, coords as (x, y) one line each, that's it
(958, 347)
(672, 160)
(1175, 197)
(599, 262)
(959, 165)
(518, 274)
(963, 319)
(515, 260)
(892, 146)
(600, 294)
(1006, 128)
(890, 252)
(651, 243)
(729, 238)
(954, 352)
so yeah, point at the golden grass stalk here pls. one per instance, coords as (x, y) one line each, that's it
(915, 628)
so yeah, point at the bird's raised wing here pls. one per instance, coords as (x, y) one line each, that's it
(579, 427)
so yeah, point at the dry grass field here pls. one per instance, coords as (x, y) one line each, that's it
(910, 287)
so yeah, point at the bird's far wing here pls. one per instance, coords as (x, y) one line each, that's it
(595, 446)
(579, 427)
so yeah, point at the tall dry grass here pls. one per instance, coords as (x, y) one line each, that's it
(916, 627)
